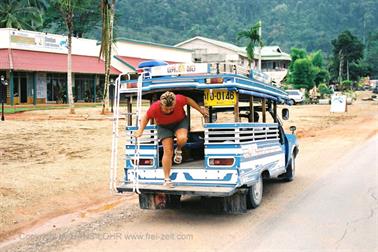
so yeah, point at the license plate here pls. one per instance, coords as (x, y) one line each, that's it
(219, 98)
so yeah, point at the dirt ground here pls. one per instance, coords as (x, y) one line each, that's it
(53, 163)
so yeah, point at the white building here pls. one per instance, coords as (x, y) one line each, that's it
(274, 62)
(35, 65)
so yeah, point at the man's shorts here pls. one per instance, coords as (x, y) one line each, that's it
(165, 131)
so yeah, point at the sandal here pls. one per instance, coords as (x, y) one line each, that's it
(168, 183)
(178, 156)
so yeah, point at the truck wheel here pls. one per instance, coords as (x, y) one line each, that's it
(173, 201)
(290, 172)
(255, 193)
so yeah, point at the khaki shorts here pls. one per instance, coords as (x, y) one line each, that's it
(169, 130)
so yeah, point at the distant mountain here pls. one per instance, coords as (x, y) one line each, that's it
(310, 24)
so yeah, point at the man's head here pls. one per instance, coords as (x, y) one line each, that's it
(167, 102)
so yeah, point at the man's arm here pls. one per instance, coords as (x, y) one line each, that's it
(197, 107)
(143, 124)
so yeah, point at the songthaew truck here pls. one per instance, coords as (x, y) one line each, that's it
(227, 156)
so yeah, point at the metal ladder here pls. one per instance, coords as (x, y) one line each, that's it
(116, 116)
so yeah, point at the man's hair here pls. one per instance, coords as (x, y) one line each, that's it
(167, 99)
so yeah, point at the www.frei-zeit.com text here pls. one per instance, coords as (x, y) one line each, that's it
(115, 236)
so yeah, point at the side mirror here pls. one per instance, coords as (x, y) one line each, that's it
(285, 114)
(292, 129)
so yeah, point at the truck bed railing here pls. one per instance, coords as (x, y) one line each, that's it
(240, 133)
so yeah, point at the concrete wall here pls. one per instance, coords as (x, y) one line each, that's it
(208, 52)
(151, 51)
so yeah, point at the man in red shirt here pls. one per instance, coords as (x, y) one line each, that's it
(171, 120)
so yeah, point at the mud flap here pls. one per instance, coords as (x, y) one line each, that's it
(234, 204)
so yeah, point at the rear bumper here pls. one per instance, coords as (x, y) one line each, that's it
(210, 191)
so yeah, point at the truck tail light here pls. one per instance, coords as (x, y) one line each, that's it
(144, 161)
(222, 161)
(132, 85)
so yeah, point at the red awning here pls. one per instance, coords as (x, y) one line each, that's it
(4, 59)
(134, 62)
(24, 60)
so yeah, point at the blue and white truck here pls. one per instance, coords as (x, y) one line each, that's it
(227, 158)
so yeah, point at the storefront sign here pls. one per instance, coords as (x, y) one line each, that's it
(24, 39)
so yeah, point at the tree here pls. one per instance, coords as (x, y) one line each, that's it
(107, 10)
(372, 54)
(303, 74)
(321, 75)
(85, 17)
(20, 15)
(254, 39)
(347, 49)
(66, 7)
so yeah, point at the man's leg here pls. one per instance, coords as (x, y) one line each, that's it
(181, 137)
(167, 156)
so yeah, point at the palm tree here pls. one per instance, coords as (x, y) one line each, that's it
(20, 15)
(66, 7)
(107, 11)
(254, 39)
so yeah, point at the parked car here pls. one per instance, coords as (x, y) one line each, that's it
(295, 96)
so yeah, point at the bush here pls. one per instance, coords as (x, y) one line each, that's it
(350, 94)
(346, 85)
(324, 90)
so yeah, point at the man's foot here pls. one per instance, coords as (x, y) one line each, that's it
(178, 156)
(168, 183)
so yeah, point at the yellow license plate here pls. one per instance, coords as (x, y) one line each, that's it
(219, 98)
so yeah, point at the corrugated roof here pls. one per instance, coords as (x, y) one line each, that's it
(150, 43)
(52, 62)
(4, 59)
(226, 45)
(133, 62)
(272, 52)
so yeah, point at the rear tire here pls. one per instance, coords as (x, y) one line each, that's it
(255, 194)
(290, 172)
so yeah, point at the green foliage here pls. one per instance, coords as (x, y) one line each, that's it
(346, 85)
(303, 74)
(86, 18)
(324, 90)
(19, 14)
(372, 55)
(254, 40)
(317, 59)
(347, 49)
(307, 70)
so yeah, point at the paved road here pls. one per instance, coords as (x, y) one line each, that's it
(338, 213)
(326, 208)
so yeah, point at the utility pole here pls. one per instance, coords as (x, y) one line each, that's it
(3, 95)
(259, 64)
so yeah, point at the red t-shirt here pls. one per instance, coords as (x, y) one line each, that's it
(163, 119)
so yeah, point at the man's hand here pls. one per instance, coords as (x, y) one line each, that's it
(137, 133)
(204, 112)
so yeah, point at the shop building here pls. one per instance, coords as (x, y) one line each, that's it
(35, 65)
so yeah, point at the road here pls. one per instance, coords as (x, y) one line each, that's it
(338, 213)
(330, 206)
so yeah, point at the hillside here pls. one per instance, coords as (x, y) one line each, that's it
(310, 24)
